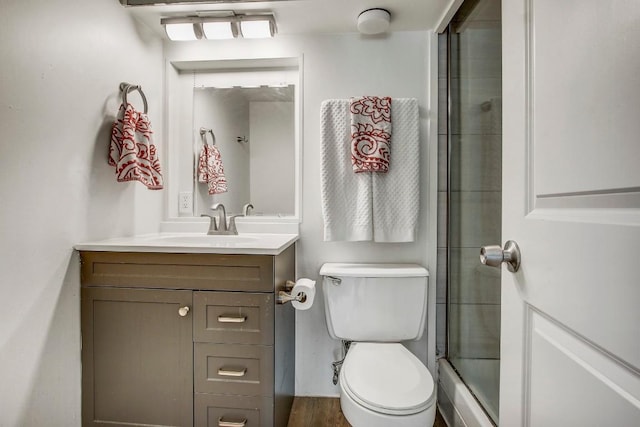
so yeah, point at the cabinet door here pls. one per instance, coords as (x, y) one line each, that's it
(137, 365)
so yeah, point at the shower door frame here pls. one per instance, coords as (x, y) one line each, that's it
(451, 367)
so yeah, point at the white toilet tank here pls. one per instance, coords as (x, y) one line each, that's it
(375, 302)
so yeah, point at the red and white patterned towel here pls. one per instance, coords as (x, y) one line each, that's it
(132, 151)
(370, 133)
(211, 170)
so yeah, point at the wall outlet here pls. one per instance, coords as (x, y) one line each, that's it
(185, 203)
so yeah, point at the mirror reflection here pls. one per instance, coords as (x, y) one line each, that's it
(244, 150)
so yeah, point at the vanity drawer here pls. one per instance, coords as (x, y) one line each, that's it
(178, 271)
(233, 317)
(221, 411)
(233, 369)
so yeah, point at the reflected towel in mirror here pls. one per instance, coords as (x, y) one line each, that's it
(211, 170)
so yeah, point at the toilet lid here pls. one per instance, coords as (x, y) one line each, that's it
(387, 378)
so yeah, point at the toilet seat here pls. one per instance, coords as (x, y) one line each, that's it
(387, 378)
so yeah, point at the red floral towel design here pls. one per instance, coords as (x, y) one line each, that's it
(132, 150)
(211, 170)
(370, 133)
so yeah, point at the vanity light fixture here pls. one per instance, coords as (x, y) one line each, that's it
(182, 29)
(217, 28)
(257, 26)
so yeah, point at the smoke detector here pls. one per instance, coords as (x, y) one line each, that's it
(374, 21)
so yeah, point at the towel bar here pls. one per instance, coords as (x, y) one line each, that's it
(125, 88)
(203, 135)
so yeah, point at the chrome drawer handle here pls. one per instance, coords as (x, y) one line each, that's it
(223, 423)
(231, 373)
(232, 319)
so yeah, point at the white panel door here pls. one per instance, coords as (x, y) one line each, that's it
(570, 343)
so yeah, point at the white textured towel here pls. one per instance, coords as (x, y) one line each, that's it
(365, 206)
(346, 196)
(396, 194)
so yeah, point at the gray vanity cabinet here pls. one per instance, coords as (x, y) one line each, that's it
(186, 339)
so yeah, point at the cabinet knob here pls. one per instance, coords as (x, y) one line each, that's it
(183, 311)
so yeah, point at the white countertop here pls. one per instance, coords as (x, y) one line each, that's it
(245, 243)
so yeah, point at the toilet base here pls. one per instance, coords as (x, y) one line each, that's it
(359, 416)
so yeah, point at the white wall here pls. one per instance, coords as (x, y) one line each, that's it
(62, 62)
(340, 66)
(272, 161)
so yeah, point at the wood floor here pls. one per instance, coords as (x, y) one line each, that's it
(325, 412)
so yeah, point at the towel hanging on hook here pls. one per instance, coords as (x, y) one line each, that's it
(132, 151)
(210, 168)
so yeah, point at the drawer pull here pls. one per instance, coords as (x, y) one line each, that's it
(225, 372)
(223, 423)
(232, 319)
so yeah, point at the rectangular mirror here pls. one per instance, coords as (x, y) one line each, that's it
(249, 111)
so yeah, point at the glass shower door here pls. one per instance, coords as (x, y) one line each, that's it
(474, 195)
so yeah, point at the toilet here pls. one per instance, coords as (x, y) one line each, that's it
(376, 306)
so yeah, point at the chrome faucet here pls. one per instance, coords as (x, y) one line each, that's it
(219, 225)
(222, 220)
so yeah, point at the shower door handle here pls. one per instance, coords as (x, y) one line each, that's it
(494, 255)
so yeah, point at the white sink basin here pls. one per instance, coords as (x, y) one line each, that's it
(255, 243)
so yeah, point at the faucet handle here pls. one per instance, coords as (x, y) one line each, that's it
(213, 223)
(232, 228)
(246, 208)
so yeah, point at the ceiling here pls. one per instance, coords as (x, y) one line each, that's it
(313, 16)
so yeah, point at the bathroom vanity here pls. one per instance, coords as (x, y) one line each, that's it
(186, 338)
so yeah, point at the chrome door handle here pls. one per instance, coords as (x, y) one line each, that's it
(494, 255)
